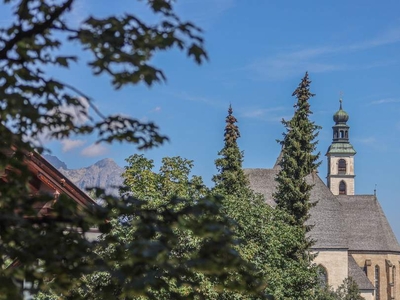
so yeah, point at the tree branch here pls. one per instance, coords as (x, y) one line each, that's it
(38, 28)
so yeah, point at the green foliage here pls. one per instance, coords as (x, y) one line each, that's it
(174, 248)
(173, 179)
(298, 160)
(263, 235)
(120, 47)
(325, 293)
(230, 179)
(293, 191)
(348, 290)
(48, 252)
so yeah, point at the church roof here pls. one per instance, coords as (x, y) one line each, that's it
(356, 222)
(263, 181)
(328, 231)
(359, 276)
(340, 116)
(366, 224)
(341, 148)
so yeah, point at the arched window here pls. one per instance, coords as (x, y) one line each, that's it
(341, 134)
(322, 276)
(342, 188)
(377, 283)
(342, 166)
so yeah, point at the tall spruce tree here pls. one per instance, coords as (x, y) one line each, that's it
(298, 159)
(293, 191)
(230, 178)
(250, 212)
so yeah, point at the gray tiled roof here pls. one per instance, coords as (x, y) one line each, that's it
(359, 276)
(355, 222)
(367, 226)
(263, 181)
(328, 230)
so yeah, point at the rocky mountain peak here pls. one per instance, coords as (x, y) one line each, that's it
(105, 174)
(106, 162)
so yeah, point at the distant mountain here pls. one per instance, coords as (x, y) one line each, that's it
(104, 174)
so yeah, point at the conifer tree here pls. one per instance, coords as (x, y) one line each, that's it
(293, 192)
(249, 210)
(230, 178)
(298, 158)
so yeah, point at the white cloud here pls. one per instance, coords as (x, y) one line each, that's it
(205, 13)
(316, 59)
(281, 67)
(156, 109)
(68, 145)
(94, 150)
(384, 101)
(79, 114)
(78, 13)
(367, 141)
(261, 113)
(208, 101)
(144, 119)
(373, 143)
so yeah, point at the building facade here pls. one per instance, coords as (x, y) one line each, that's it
(353, 237)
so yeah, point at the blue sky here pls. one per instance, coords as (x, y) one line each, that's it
(259, 51)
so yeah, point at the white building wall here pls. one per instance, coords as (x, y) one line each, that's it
(336, 264)
(333, 182)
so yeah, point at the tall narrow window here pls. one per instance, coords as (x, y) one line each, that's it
(341, 134)
(377, 284)
(342, 188)
(342, 166)
(322, 276)
(394, 282)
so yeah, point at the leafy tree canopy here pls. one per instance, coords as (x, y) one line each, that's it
(34, 103)
(348, 290)
(180, 242)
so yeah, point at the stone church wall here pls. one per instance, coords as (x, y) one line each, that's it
(336, 264)
(389, 272)
(334, 181)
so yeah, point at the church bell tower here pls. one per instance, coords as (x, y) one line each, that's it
(340, 178)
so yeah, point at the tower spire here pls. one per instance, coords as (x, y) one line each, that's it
(340, 178)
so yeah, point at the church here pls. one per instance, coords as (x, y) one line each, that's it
(352, 236)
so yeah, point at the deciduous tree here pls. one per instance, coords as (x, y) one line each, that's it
(34, 103)
(178, 243)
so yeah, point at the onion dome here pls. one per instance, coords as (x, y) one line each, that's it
(340, 116)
